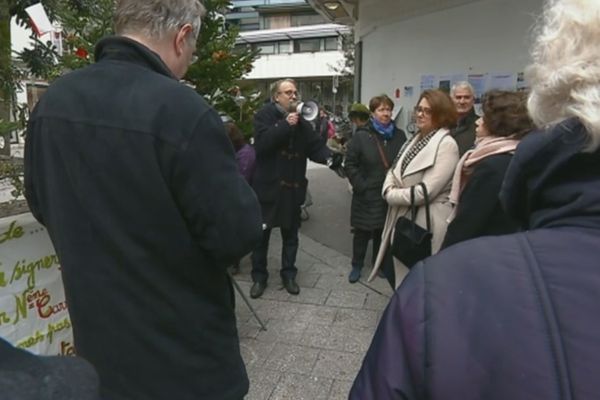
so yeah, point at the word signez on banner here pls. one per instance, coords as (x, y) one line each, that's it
(33, 310)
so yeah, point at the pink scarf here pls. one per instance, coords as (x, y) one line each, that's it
(484, 147)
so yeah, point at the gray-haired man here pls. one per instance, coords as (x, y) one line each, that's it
(283, 141)
(463, 95)
(134, 177)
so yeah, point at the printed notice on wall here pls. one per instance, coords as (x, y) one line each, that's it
(502, 81)
(428, 82)
(33, 311)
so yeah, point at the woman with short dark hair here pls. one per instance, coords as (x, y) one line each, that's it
(480, 172)
(428, 158)
(369, 156)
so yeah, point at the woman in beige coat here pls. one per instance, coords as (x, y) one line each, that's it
(429, 157)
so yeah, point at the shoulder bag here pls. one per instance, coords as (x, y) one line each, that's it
(412, 243)
(384, 160)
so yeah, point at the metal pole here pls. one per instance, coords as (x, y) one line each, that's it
(239, 290)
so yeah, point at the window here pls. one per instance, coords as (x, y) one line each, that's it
(276, 21)
(249, 24)
(281, 47)
(307, 45)
(307, 19)
(240, 48)
(285, 47)
(331, 43)
(267, 47)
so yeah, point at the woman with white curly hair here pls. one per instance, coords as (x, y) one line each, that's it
(515, 316)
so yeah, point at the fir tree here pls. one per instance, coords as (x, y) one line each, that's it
(217, 75)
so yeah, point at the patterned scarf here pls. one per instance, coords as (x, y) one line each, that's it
(415, 149)
(387, 131)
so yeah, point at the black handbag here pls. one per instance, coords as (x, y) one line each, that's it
(411, 242)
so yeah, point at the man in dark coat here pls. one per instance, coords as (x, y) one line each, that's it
(135, 179)
(283, 141)
(463, 95)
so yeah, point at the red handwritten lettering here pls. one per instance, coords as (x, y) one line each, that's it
(67, 349)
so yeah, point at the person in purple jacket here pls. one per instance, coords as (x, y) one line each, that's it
(515, 316)
(244, 152)
(245, 156)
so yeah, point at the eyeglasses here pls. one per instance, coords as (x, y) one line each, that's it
(290, 93)
(424, 110)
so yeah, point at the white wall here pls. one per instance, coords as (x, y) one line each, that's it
(297, 65)
(477, 37)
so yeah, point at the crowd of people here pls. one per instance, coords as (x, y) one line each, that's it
(147, 209)
(501, 315)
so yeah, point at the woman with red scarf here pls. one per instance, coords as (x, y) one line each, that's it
(480, 172)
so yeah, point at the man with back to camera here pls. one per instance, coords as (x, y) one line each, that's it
(135, 179)
(283, 140)
(463, 95)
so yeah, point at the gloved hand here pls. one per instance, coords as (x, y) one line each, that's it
(335, 164)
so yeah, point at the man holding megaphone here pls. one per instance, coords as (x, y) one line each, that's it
(283, 139)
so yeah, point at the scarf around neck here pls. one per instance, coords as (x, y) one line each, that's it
(387, 131)
(484, 147)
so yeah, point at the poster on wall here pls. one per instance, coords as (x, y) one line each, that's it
(502, 81)
(479, 83)
(33, 310)
(522, 84)
(447, 81)
(428, 82)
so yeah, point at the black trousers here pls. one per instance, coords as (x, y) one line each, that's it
(289, 249)
(360, 242)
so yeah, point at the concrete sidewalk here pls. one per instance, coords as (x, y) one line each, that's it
(315, 342)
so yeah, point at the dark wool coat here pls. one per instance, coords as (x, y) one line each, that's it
(464, 132)
(136, 181)
(479, 212)
(366, 172)
(280, 175)
(506, 317)
(24, 376)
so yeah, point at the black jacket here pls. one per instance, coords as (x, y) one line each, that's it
(366, 172)
(135, 179)
(479, 211)
(280, 175)
(464, 132)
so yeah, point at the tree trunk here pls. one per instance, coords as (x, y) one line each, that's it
(5, 65)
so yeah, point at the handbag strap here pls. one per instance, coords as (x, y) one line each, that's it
(413, 207)
(384, 160)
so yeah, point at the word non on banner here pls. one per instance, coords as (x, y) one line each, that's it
(33, 310)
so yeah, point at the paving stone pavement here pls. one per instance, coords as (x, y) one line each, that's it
(315, 342)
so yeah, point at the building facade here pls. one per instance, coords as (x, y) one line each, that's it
(295, 42)
(404, 47)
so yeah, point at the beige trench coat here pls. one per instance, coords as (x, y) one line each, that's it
(434, 166)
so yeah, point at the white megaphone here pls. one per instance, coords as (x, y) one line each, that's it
(308, 110)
